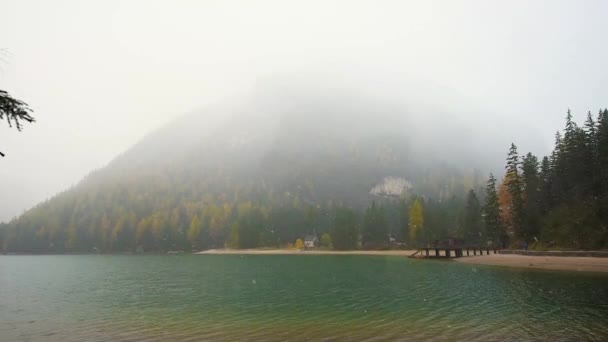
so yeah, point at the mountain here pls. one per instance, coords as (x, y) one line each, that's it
(286, 154)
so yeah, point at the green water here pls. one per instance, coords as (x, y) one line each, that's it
(292, 297)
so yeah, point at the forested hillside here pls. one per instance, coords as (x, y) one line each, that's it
(265, 174)
(267, 180)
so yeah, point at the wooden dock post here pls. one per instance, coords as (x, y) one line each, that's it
(452, 248)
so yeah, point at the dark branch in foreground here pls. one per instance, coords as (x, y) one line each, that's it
(15, 112)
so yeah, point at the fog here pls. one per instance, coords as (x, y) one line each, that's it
(101, 75)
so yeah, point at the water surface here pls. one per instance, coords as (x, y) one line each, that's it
(292, 297)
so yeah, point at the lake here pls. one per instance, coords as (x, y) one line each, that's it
(292, 297)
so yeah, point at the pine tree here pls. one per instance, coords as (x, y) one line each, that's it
(574, 160)
(591, 167)
(602, 150)
(472, 228)
(591, 132)
(602, 166)
(491, 214)
(570, 124)
(531, 195)
(546, 181)
(514, 187)
(557, 170)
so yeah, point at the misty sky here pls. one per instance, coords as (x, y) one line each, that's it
(101, 74)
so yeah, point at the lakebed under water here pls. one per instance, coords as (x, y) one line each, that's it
(292, 297)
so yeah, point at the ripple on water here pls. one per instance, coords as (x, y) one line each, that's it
(291, 298)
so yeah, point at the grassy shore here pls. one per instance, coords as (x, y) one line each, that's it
(562, 263)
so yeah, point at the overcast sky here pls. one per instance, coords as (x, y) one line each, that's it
(101, 74)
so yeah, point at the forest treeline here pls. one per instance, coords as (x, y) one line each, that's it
(558, 201)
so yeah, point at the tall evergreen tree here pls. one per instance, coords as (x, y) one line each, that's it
(591, 132)
(557, 169)
(546, 181)
(602, 165)
(514, 187)
(472, 227)
(590, 158)
(491, 214)
(531, 195)
(574, 159)
(602, 150)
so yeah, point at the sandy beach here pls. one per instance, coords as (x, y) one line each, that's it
(306, 252)
(578, 264)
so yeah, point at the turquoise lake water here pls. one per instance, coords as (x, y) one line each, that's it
(292, 297)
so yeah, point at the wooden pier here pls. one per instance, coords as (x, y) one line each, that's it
(451, 252)
(452, 247)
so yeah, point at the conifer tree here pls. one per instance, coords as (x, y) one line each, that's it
(557, 169)
(531, 196)
(590, 158)
(491, 214)
(546, 181)
(573, 158)
(602, 150)
(472, 228)
(514, 187)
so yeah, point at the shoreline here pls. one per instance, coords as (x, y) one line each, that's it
(536, 262)
(539, 262)
(279, 251)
